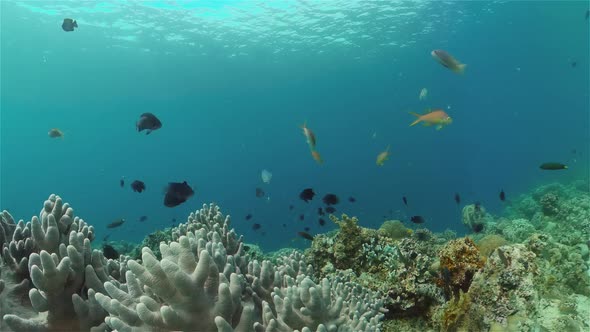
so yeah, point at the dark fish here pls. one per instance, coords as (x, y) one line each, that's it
(477, 227)
(330, 199)
(249, 216)
(138, 186)
(106, 237)
(351, 199)
(307, 194)
(291, 207)
(552, 166)
(116, 223)
(122, 182)
(259, 192)
(587, 14)
(322, 222)
(246, 248)
(417, 219)
(143, 218)
(149, 122)
(502, 195)
(110, 252)
(574, 63)
(405, 200)
(330, 209)
(306, 229)
(284, 225)
(457, 198)
(173, 220)
(256, 227)
(321, 211)
(69, 24)
(301, 217)
(477, 206)
(305, 235)
(177, 193)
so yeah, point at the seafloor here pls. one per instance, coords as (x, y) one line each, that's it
(527, 270)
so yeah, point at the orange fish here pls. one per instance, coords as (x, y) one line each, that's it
(437, 118)
(316, 156)
(309, 135)
(382, 157)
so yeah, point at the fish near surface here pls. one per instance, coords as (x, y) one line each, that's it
(55, 133)
(448, 61)
(438, 118)
(383, 157)
(177, 193)
(149, 122)
(69, 24)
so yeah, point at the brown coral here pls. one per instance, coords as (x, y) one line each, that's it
(459, 260)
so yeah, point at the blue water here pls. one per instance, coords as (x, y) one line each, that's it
(233, 80)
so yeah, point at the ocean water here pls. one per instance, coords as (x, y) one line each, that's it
(232, 81)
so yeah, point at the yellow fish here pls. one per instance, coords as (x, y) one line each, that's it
(439, 118)
(316, 156)
(382, 157)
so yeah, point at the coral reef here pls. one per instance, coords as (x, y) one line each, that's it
(459, 260)
(475, 217)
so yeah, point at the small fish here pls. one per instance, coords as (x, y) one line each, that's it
(405, 200)
(330, 199)
(351, 199)
(266, 176)
(69, 24)
(55, 133)
(116, 223)
(438, 118)
(173, 220)
(573, 63)
(177, 193)
(256, 226)
(383, 157)
(301, 217)
(306, 195)
(305, 235)
(316, 156)
(122, 182)
(291, 207)
(448, 61)
(309, 135)
(423, 94)
(109, 252)
(143, 218)
(306, 229)
(457, 198)
(248, 216)
(587, 14)
(321, 221)
(284, 225)
(138, 186)
(259, 192)
(417, 219)
(149, 122)
(321, 211)
(330, 209)
(502, 195)
(477, 206)
(478, 227)
(552, 166)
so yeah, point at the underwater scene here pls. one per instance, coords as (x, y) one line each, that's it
(294, 165)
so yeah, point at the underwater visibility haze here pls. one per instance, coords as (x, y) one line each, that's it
(428, 160)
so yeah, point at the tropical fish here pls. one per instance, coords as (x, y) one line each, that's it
(266, 176)
(320, 211)
(382, 157)
(122, 182)
(351, 199)
(330, 199)
(109, 252)
(457, 198)
(256, 226)
(306, 229)
(552, 166)
(177, 193)
(405, 200)
(248, 216)
(138, 186)
(502, 195)
(55, 133)
(417, 219)
(587, 14)
(149, 122)
(302, 217)
(321, 221)
(307, 194)
(423, 94)
(438, 118)
(116, 223)
(143, 218)
(305, 235)
(260, 193)
(309, 135)
(448, 61)
(69, 24)
(330, 209)
(316, 156)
